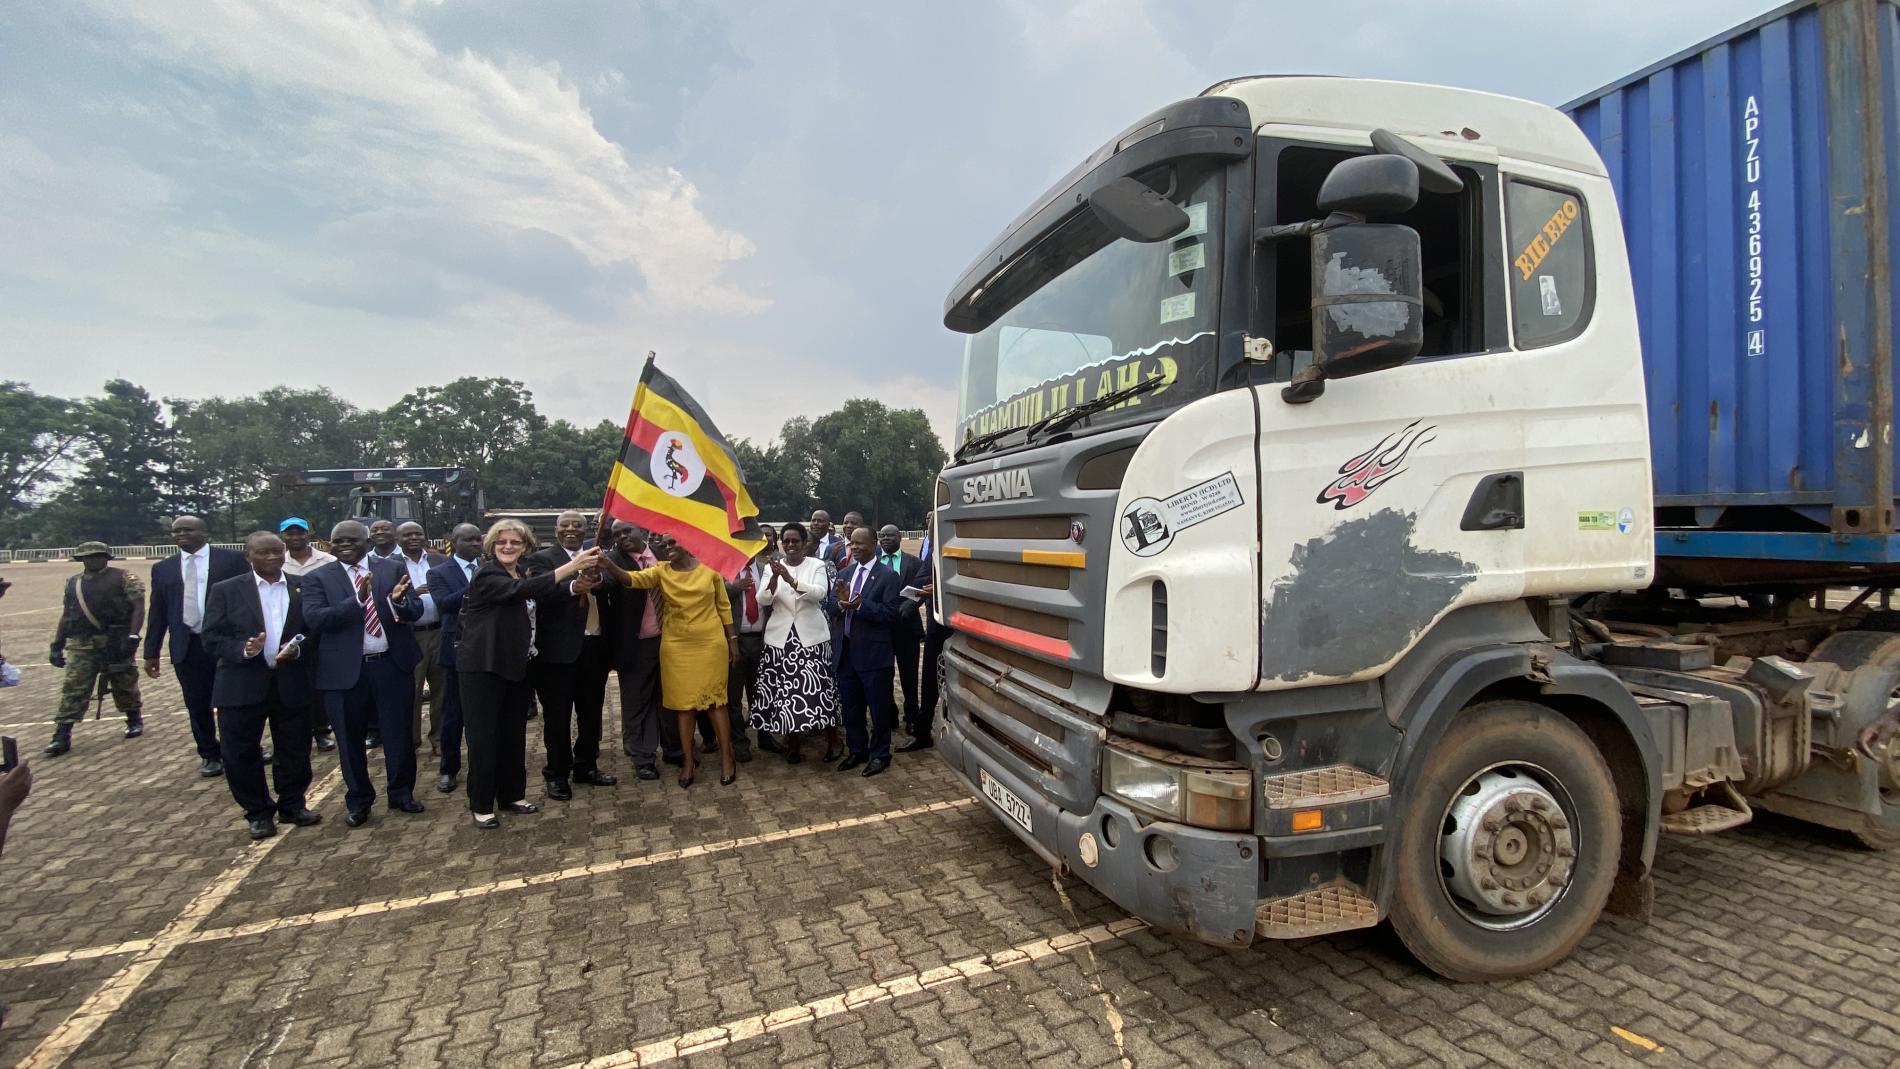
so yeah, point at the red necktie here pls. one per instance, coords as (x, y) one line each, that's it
(371, 623)
(752, 602)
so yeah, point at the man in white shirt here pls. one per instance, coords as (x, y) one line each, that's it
(382, 539)
(180, 586)
(413, 553)
(254, 627)
(300, 559)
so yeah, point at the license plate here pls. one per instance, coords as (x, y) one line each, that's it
(1007, 801)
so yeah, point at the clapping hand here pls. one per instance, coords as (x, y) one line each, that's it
(401, 589)
(254, 645)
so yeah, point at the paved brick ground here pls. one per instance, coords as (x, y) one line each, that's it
(1774, 945)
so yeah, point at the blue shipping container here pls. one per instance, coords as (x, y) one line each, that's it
(1757, 177)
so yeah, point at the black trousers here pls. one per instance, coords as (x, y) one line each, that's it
(380, 701)
(935, 635)
(450, 721)
(590, 698)
(742, 685)
(495, 719)
(640, 714)
(909, 648)
(241, 731)
(555, 686)
(196, 673)
(862, 690)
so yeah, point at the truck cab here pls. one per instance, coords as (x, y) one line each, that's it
(1289, 421)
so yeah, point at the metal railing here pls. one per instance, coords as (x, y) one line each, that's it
(33, 556)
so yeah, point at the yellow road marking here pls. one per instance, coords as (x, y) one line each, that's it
(119, 989)
(744, 1028)
(393, 905)
(1632, 1038)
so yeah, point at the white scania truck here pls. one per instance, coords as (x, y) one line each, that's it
(1340, 530)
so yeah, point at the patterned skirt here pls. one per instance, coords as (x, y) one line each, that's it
(796, 691)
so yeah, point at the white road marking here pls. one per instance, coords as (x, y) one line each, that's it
(112, 996)
(744, 1028)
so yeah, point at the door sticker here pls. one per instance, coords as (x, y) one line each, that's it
(1149, 525)
(1375, 467)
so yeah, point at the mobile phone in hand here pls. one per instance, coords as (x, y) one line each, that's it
(9, 753)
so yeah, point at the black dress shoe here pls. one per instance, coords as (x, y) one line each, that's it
(851, 762)
(769, 744)
(877, 764)
(486, 824)
(357, 818)
(262, 828)
(671, 760)
(326, 743)
(921, 742)
(408, 806)
(742, 755)
(445, 782)
(134, 727)
(523, 808)
(646, 772)
(212, 768)
(594, 777)
(302, 818)
(559, 790)
(832, 755)
(793, 757)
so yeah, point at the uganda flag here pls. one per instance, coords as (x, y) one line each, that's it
(676, 475)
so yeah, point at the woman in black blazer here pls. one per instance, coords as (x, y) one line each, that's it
(494, 640)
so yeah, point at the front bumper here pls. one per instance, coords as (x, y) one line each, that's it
(1196, 882)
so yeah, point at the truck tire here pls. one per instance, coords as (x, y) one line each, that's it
(1515, 845)
(1858, 649)
(1879, 831)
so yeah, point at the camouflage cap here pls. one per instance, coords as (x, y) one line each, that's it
(91, 549)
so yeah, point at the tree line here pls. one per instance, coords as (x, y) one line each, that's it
(118, 465)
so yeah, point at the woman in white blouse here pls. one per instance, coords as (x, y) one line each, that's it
(796, 691)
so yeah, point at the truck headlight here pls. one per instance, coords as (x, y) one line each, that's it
(1186, 794)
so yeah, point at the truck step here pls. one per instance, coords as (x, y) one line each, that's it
(1321, 911)
(1710, 817)
(1316, 787)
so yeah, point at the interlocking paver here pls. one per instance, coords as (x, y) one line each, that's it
(1749, 959)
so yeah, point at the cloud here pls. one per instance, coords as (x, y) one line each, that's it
(357, 112)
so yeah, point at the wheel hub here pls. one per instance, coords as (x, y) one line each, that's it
(1507, 848)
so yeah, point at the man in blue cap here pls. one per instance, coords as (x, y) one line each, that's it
(301, 557)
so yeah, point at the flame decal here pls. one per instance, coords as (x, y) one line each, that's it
(1368, 471)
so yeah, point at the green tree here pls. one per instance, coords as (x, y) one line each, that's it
(876, 460)
(121, 494)
(38, 434)
(230, 450)
(471, 422)
(779, 484)
(560, 466)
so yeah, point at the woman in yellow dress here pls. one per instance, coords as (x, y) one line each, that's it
(697, 646)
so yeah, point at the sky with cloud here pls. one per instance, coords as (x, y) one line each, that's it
(215, 197)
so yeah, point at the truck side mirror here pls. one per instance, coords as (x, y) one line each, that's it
(1368, 306)
(1129, 209)
(1370, 185)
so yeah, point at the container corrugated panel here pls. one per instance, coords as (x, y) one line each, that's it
(1752, 217)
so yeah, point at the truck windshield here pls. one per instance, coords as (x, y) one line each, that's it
(1100, 314)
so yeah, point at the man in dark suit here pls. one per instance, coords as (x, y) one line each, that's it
(254, 628)
(358, 610)
(448, 584)
(181, 588)
(907, 638)
(570, 669)
(413, 553)
(633, 631)
(869, 603)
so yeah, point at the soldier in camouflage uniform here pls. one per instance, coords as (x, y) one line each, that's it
(99, 644)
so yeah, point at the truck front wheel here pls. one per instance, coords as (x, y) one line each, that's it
(1511, 846)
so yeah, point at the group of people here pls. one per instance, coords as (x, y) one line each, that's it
(336, 650)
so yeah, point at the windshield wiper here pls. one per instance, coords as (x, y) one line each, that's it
(1054, 423)
(981, 440)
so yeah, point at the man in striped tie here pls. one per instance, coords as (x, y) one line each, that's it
(359, 610)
